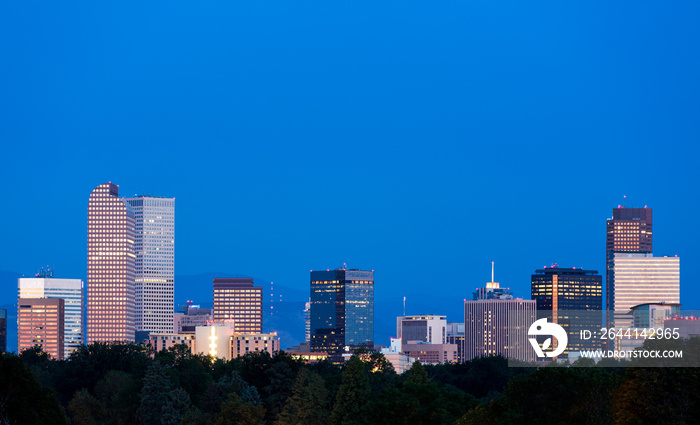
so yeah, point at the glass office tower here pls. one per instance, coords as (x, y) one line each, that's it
(342, 311)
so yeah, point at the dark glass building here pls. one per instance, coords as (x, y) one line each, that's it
(342, 311)
(630, 231)
(566, 296)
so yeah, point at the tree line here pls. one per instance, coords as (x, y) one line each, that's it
(126, 383)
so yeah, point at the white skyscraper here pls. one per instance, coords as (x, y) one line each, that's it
(155, 262)
(71, 291)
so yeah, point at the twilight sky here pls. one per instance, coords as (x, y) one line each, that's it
(419, 139)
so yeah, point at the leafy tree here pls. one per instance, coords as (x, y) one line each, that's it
(118, 392)
(235, 412)
(308, 404)
(22, 399)
(85, 409)
(353, 394)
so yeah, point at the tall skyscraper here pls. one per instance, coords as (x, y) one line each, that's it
(71, 291)
(40, 322)
(630, 231)
(342, 311)
(111, 267)
(640, 279)
(498, 327)
(3, 330)
(155, 262)
(238, 300)
(572, 298)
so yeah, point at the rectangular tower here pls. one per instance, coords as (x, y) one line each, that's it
(237, 299)
(566, 296)
(630, 231)
(40, 322)
(71, 291)
(640, 279)
(342, 311)
(155, 263)
(111, 267)
(498, 327)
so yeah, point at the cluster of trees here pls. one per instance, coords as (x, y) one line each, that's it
(114, 384)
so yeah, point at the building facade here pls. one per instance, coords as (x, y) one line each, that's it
(430, 353)
(427, 328)
(242, 344)
(191, 317)
(640, 279)
(71, 291)
(628, 231)
(572, 298)
(40, 323)
(342, 311)
(238, 300)
(498, 327)
(455, 335)
(161, 342)
(111, 267)
(155, 262)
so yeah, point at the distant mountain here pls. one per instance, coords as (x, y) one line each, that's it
(286, 318)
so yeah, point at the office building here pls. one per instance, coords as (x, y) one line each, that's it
(647, 321)
(307, 321)
(238, 300)
(492, 290)
(161, 342)
(572, 298)
(214, 340)
(242, 344)
(455, 335)
(430, 353)
(427, 328)
(71, 291)
(640, 279)
(342, 311)
(191, 317)
(40, 323)
(628, 231)
(111, 267)
(154, 247)
(394, 354)
(498, 327)
(3, 330)
(686, 326)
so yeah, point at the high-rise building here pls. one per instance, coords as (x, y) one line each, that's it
(498, 327)
(71, 291)
(630, 231)
(307, 321)
(342, 311)
(238, 300)
(455, 335)
(3, 330)
(111, 267)
(572, 298)
(428, 328)
(40, 322)
(155, 263)
(640, 279)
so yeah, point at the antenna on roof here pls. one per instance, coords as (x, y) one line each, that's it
(492, 271)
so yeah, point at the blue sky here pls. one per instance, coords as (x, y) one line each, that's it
(421, 140)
